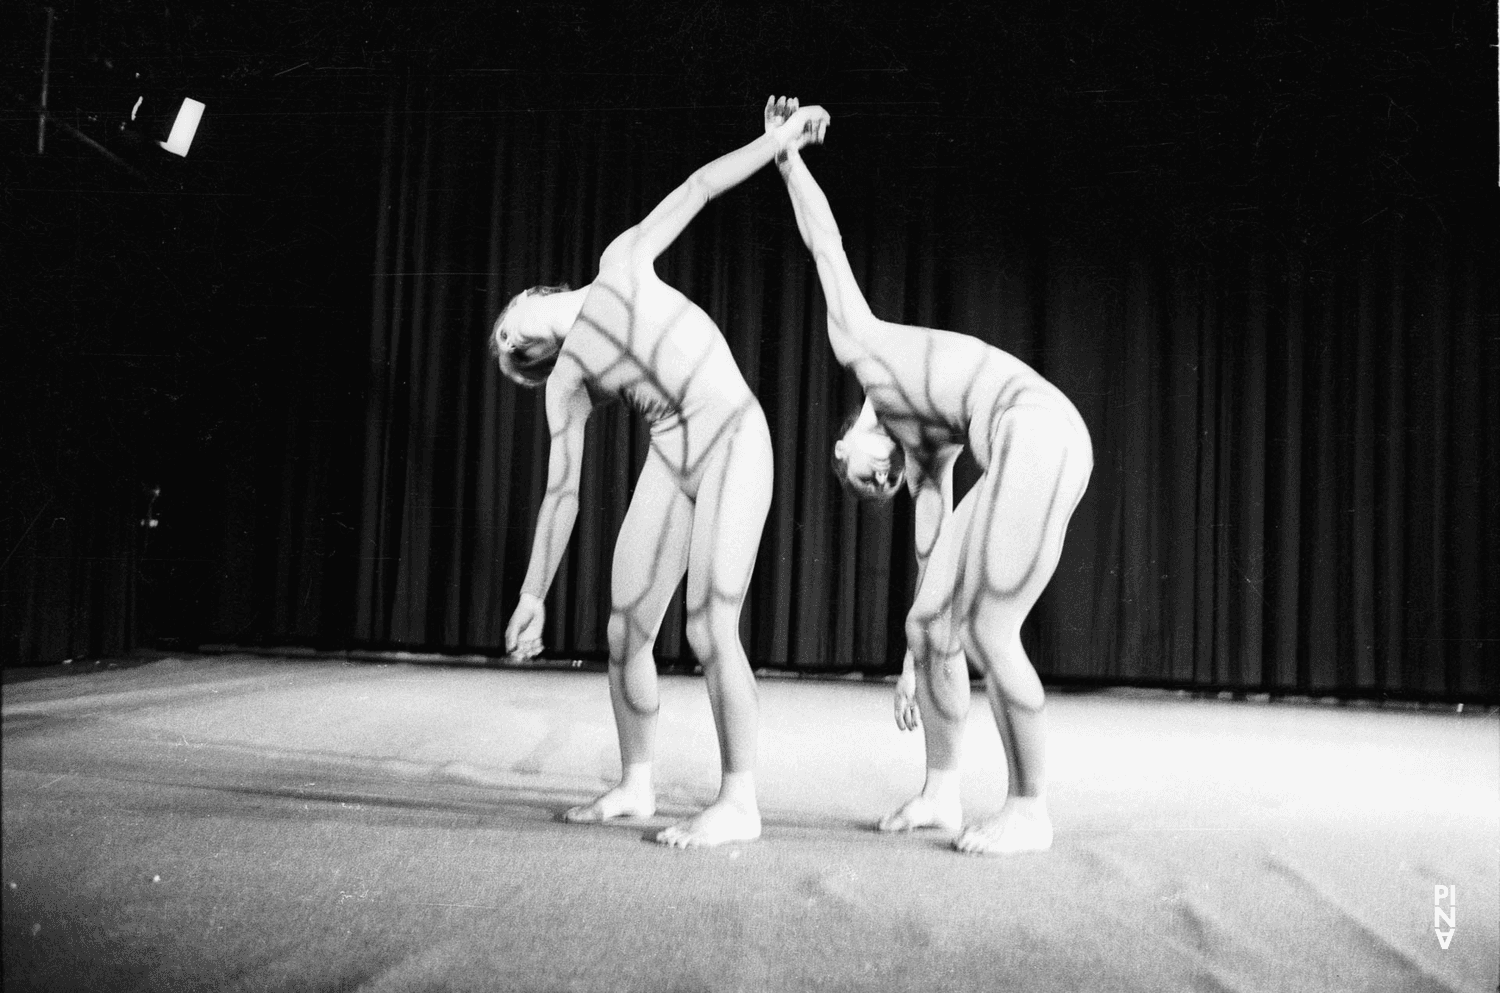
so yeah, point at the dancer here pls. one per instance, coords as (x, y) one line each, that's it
(982, 565)
(700, 502)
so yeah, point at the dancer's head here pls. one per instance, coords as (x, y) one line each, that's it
(867, 461)
(528, 334)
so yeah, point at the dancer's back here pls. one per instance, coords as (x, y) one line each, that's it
(935, 388)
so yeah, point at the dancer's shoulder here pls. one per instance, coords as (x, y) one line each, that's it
(625, 253)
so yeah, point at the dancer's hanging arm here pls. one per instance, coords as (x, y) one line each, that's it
(568, 409)
(650, 237)
(930, 481)
(848, 312)
(931, 486)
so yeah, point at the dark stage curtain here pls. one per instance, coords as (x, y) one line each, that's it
(1257, 252)
(1296, 455)
(182, 343)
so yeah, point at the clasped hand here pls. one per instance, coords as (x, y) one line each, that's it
(793, 126)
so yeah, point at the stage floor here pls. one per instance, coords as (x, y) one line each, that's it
(237, 823)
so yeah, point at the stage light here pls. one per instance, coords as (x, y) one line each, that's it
(184, 127)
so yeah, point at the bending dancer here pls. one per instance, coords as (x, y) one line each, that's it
(700, 502)
(982, 565)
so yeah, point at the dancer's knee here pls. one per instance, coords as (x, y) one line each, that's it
(616, 633)
(627, 639)
(632, 662)
(703, 636)
(919, 639)
(713, 633)
(931, 635)
(1000, 655)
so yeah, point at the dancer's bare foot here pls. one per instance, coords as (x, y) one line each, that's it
(1022, 825)
(722, 822)
(625, 800)
(924, 811)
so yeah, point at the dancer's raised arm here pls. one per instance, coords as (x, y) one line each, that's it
(660, 228)
(848, 312)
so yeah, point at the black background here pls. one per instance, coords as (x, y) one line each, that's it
(207, 326)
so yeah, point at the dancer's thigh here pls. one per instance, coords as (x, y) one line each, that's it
(729, 516)
(1039, 468)
(650, 552)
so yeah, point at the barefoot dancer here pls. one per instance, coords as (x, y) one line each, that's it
(982, 565)
(700, 502)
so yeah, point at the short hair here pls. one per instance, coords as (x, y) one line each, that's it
(840, 463)
(530, 373)
(840, 466)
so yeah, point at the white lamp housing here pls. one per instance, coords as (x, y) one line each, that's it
(184, 127)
